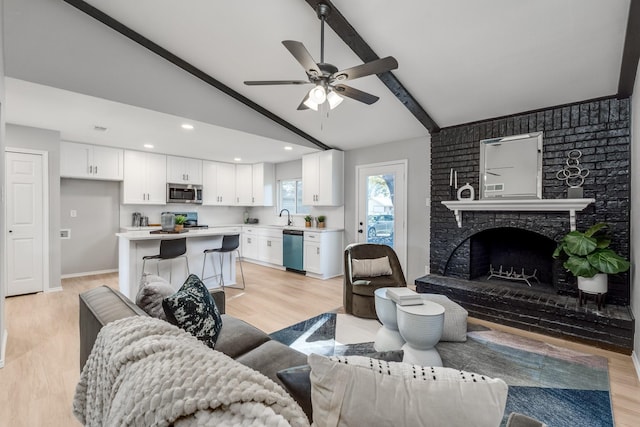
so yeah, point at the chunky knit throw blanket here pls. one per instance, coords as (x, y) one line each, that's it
(146, 372)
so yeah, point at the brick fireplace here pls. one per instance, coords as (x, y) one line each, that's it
(461, 256)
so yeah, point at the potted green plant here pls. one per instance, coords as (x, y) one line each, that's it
(307, 221)
(179, 221)
(321, 219)
(588, 257)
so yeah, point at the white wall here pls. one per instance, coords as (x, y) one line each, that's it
(418, 153)
(44, 140)
(635, 217)
(3, 332)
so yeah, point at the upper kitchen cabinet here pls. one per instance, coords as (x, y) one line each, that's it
(182, 170)
(91, 161)
(255, 184)
(145, 178)
(263, 183)
(218, 183)
(323, 178)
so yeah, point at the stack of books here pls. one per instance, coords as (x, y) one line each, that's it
(404, 296)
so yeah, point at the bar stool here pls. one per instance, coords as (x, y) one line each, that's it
(169, 249)
(230, 243)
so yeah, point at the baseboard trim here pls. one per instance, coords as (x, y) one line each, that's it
(56, 289)
(636, 363)
(3, 346)
(89, 273)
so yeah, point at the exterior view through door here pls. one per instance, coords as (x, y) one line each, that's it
(381, 214)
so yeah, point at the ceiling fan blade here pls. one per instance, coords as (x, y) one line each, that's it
(277, 82)
(374, 67)
(303, 56)
(356, 94)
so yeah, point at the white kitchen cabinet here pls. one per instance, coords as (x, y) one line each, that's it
(249, 244)
(323, 178)
(244, 185)
(323, 254)
(263, 183)
(218, 183)
(145, 178)
(91, 161)
(255, 184)
(183, 170)
(270, 246)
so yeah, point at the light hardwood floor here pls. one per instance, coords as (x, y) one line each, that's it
(42, 362)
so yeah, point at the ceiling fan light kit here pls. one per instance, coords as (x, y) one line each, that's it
(325, 76)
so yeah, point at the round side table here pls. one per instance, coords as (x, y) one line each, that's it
(388, 338)
(421, 327)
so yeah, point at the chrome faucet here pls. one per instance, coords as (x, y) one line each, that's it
(289, 222)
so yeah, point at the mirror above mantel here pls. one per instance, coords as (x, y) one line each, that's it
(511, 167)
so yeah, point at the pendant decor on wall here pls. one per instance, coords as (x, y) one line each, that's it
(573, 175)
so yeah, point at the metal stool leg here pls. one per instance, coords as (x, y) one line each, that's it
(241, 270)
(213, 265)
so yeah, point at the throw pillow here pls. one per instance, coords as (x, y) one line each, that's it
(371, 267)
(153, 290)
(296, 379)
(422, 396)
(193, 309)
(454, 328)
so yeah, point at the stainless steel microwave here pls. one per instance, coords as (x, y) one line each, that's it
(184, 193)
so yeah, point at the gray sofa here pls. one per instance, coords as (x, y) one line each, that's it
(238, 340)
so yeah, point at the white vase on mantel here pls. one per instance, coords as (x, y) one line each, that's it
(597, 284)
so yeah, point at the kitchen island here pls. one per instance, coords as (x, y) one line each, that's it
(133, 245)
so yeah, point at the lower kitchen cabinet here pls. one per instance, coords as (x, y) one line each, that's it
(270, 246)
(262, 244)
(249, 246)
(323, 254)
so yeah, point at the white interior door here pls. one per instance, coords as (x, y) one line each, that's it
(25, 223)
(382, 206)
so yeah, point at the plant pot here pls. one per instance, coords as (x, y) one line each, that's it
(307, 224)
(597, 284)
(321, 225)
(178, 227)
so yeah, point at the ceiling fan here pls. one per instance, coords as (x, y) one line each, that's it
(325, 77)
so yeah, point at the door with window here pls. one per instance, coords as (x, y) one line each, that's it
(381, 209)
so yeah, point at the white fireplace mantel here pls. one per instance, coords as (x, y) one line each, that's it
(540, 205)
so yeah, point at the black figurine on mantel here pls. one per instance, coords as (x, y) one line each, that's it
(573, 175)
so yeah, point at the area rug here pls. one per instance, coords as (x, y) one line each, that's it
(561, 387)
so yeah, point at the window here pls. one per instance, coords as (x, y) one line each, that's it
(291, 196)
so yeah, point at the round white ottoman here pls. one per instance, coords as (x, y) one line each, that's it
(388, 338)
(421, 327)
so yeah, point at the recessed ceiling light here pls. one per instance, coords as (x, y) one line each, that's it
(148, 145)
(187, 126)
(237, 159)
(288, 148)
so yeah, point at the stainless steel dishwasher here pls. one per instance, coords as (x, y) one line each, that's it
(293, 250)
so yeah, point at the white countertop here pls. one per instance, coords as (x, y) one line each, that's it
(294, 227)
(146, 235)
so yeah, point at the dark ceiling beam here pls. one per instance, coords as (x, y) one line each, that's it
(186, 66)
(350, 36)
(631, 52)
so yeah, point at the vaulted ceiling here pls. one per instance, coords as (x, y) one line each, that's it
(459, 61)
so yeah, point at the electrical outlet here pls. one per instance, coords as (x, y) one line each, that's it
(74, 213)
(65, 233)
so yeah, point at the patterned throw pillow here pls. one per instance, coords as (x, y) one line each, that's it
(422, 395)
(193, 309)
